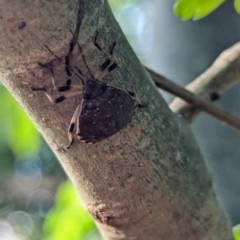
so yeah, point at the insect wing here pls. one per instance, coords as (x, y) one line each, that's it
(102, 117)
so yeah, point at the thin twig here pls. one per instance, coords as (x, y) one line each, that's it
(221, 75)
(196, 101)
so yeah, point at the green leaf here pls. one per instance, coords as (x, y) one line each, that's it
(185, 9)
(195, 9)
(68, 219)
(236, 232)
(18, 130)
(237, 5)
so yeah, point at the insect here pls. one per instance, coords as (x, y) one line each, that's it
(103, 109)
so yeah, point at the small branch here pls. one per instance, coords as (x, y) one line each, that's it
(196, 101)
(223, 74)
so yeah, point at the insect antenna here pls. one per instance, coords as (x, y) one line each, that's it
(58, 58)
(80, 72)
(81, 77)
(109, 54)
(84, 60)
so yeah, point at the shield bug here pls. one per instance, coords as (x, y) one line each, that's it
(103, 109)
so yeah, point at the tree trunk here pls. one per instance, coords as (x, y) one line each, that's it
(149, 180)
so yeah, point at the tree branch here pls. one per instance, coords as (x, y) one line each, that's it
(194, 100)
(223, 74)
(149, 180)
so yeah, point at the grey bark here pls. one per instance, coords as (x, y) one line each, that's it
(148, 181)
(193, 102)
(220, 76)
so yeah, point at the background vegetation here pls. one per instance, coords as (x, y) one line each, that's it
(35, 196)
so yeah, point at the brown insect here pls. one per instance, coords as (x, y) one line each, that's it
(103, 109)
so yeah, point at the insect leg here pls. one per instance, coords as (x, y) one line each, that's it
(108, 70)
(104, 69)
(68, 87)
(137, 101)
(84, 59)
(101, 74)
(111, 47)
(49, 67)
(78, 128)
(68, 68)
(52, 78)
(45, 92)
(72, 124)
(68, 95)
(101, 69)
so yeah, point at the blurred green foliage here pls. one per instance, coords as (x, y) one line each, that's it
(68, 219)
(237, 5)
(197, 9)
(17, 130)
(21, 140)
(236, 232)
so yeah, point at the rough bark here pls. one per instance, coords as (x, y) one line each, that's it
(148, 181)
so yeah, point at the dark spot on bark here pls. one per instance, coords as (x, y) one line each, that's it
(214, 96)
(22, 25)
